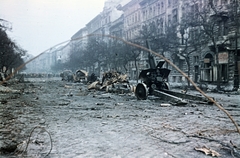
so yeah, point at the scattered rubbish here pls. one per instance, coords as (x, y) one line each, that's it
(64, 103)
(111, 77)
(95, 85)
(112, 82)
(208, 151)
(66, 86)
(9, 90)
(3, 101)
(165, 105)
(118, 104)
(233, 105)
(100, 103)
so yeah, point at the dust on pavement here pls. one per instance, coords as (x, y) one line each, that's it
(85, 123)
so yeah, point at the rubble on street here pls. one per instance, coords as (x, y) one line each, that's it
(112, 82)
(80, 76)
(66, 119)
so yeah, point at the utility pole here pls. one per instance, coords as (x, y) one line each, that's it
(236, 75)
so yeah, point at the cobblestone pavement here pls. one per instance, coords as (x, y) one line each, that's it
(85, 123)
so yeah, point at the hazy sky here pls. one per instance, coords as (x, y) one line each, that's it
(40, 24)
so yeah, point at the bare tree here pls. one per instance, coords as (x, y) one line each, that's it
(192, 38)
(119, 55)
(234, 14)
(208, 19)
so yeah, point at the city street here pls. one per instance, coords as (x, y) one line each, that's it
(119, 79)
(65, 120)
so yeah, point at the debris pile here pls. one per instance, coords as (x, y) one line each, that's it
(112, 81)
(80, 76)
(67, 75)
(8, 90)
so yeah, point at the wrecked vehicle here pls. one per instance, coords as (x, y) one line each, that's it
(80, 76)
(112, 77)
(112, 81)
(67, 75)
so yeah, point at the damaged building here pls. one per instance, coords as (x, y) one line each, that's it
(215, 59)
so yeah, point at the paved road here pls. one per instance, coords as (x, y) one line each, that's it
(86, 123)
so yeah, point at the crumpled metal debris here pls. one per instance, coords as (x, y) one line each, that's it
(80, 75)
(8, 90)
(112, 81)
(208, 151)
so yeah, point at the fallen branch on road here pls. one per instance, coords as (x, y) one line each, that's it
(145, 49)
(166, 141)
(235, 151)
(68, 119)
(180, 71)
(30, 137)
(170, 142)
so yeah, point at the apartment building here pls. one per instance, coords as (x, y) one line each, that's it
(216, 60)
(208, 64)
(79, 39)
(219, 63)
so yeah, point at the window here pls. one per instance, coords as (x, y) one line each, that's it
(174, 78)
(160, 26)
(154, 11)
(175, 15)
(195, 59)
(180, 64)
(224, 2)
(150, 12)
(144, 14)
(194, 11)
(169, 19)
(222, 28)
(180, 80)
(169, 3)
(193, 34)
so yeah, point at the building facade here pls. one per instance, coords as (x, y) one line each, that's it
(216, 61)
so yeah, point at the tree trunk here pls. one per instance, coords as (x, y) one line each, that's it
(188, 70)
(135, 62)
(99, 69)
(218, 68)
(125, 68)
